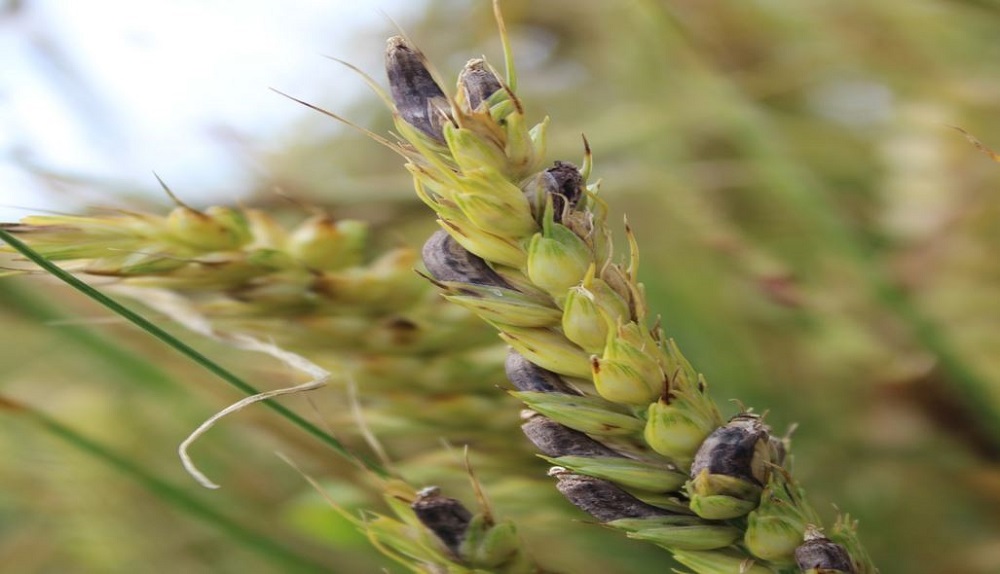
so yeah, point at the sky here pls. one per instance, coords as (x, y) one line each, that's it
(110, 91)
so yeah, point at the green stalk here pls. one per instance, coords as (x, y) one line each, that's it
(175, 496)
(187, 351)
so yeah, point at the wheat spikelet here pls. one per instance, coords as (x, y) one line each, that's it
(310, 287)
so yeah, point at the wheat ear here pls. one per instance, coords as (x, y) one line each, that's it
(625, 419)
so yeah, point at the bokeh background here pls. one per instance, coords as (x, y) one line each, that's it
(820, 240)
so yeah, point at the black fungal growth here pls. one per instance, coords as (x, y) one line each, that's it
(527, 376)
(419, 99)
(478, 83)
(731, 450)
(446, 260)
(554, 439)
(821, 554)
(567, 186)
(446, 517)
(602, 499)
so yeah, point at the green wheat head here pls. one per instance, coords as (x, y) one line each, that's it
(634, 437)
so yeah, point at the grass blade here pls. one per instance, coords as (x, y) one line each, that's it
(174, 495)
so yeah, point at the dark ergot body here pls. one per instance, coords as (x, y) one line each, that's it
(527, 376)
(446, 517)
(446, 260)
(602, 499)
(563, 183)
(820, 554)
(731, 450)
(418, 97)
(478, 83)
(555, 440)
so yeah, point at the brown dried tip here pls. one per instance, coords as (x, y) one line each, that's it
(418, 98)
(446, 260)
(478, 83)
(820, 554)
(446, 517)
(602, 499)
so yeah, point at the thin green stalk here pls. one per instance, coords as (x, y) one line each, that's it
(187, 351)
(176, 496)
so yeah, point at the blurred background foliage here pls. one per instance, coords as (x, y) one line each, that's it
(817, 237)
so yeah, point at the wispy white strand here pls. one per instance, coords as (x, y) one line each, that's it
(179, 309)
(362, 424)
